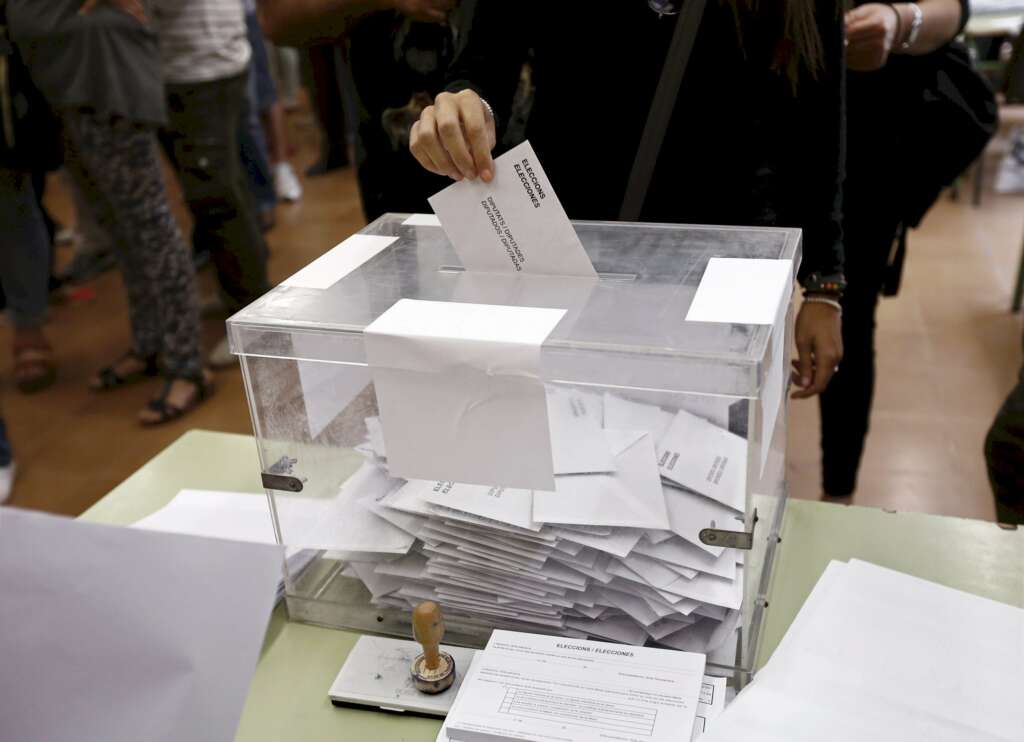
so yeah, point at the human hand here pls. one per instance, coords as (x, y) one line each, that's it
(870, 35)
(134, 8)
(455, 136)
(819, 343)
(431, 11)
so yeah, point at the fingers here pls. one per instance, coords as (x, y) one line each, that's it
(804, 367)
(814, 370)
(479, 129)
(449, 129)
(88, 6)
(137, 10)
(454, 137)
(427, 148)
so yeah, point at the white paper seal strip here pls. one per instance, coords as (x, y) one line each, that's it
(339, 261)
(460, 393)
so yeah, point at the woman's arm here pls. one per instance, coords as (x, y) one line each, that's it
(306, 22)
(876, 30)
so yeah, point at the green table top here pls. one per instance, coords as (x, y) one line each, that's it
(288, 697)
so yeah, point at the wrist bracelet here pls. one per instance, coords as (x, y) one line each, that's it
(898, 36)
(814, 299)
(915, 27)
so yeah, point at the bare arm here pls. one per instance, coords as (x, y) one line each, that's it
(876, 30)
(941, 22)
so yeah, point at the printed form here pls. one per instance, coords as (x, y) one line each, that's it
(532, 687)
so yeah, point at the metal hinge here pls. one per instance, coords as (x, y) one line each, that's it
(732, 539)
(279, 476)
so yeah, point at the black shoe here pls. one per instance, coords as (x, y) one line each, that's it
(87, 265)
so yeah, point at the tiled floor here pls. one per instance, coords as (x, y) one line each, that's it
(948, 352)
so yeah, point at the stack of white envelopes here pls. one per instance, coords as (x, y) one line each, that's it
(612, 553)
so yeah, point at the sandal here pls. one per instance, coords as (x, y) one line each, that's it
(108, 378)
(34, 367)
(165, 411)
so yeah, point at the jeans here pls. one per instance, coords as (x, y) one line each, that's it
(201, 140)
(259, 97)
(24, 250)
(1004, 456)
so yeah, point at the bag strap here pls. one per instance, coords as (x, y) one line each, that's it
(662, 106)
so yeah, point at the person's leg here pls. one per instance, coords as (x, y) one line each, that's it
(846, 404)
(284, 65)
(326, 89)
(204, 137)
(1004, 456)
(24, 273)
(255, 157)
(118, 167)
(94, 248)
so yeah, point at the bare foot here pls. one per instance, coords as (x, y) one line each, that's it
(181, 397)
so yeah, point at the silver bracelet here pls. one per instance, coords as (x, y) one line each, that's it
(915, 26)
(490, 111)
(824, 300)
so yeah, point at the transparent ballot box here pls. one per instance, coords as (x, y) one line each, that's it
(617, 474)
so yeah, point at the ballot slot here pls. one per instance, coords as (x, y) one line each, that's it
(654, 429)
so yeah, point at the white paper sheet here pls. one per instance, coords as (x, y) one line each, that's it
(578, 443)
(512, 506)
(238, 516)
(627, 414)
(598, 688)
(514, 224)
(706, 459)
(678, 551)
(619, 543)
(710, 705)
(460, 394)
(743, 291)
(630, 497)
(125, 634)
(917, 661)
(339, 261)
(422, 220)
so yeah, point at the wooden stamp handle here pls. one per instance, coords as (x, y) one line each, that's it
(428, 629)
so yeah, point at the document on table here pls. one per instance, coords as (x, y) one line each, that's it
(529, 687)
(514, 224)
(917, 661)
(124, 634)
(460, 392)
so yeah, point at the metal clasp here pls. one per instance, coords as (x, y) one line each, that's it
(279, 476)
(732, 539)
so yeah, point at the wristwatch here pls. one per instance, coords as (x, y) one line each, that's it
(915, 27)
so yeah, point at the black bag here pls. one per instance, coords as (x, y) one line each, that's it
(29, 131)
(952, 122)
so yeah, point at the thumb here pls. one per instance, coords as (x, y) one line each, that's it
(805, 361)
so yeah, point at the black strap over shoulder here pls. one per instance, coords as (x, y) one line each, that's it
(662, 106)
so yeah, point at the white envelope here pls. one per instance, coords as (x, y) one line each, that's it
(460, 394)
(578, 444)
(630, 497)
(677, 551)
(706, 459)
(126, 634)
(619, 543)
(514, 224)
(506, 505)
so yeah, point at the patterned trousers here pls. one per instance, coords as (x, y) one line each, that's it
(116, 164)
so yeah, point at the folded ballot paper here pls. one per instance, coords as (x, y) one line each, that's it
(528, 505)
(875, 654)
(114, 633)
